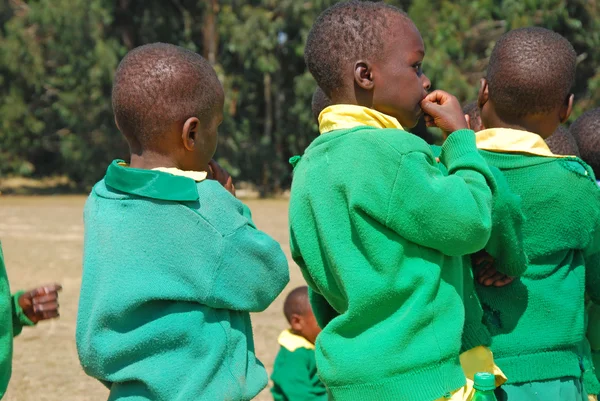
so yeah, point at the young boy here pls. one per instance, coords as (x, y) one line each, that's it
(562, 142)
(19, 310)
(320, 101)
(537, 322)
(173, 263)
(472, 115)
(586, 131)
(295, 370)
(373, 219)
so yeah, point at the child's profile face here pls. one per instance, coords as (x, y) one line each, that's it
(399, 81)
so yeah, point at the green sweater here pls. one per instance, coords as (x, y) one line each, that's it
(505, 246)
(537, 322)
(378, 232)
(12, 320)
(171, 270)
(295, 372)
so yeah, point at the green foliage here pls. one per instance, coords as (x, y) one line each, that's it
(57, 58)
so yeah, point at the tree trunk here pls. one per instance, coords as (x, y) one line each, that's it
(124, 20)
(210, 34)
(267, 134)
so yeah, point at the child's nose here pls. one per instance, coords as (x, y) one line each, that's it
(426, 82)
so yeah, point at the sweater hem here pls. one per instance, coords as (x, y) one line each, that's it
(426, 384)
(474, 335)
(539, 366)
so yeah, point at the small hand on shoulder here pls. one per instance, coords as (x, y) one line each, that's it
(218, 173)
(443, 110)
(41, 303)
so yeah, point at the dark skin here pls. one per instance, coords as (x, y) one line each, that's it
(393, 82)
(188, 146)
(41, 303)
(305, 325)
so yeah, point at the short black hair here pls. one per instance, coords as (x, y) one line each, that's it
(531, 71)
(472, 110)
(320, 101)
(296, 303)
(586, 131)
(561, 142)
(159, 84)
(346, 32)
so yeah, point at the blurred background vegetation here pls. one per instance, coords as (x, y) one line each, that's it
(57, 59)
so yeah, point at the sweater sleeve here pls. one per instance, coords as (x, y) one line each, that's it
(449, 213)
(252, 272)
(19, 320)
(292, 377)
(506, 240)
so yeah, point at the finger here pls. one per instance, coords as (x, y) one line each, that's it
(42, 299)
(49, 315)
(50, 306)
(438, 97)
(502, 282)
(46, 289)
(486, 273)
(491, 280)
(468, 118)
(429, 107)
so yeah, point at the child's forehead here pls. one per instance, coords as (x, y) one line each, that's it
(402, 35)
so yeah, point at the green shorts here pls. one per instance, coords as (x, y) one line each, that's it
(563, 389)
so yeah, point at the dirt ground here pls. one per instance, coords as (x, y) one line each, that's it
(42, 240)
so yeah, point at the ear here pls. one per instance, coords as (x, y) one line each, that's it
(297, 322)
(363, 75)
(190, 133)
(565, 111)
(484, 93)
(117, 124)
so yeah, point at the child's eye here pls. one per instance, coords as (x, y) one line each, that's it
(418, 68)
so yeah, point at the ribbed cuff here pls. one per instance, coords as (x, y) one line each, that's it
(458, 144)
(475, 335)
(19, 317)
(430, 383)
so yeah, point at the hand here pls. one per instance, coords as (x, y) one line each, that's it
(218, 173)
(41, 303)
(443, 110)
(487, 275)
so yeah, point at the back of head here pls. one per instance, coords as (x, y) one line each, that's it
(472, 110)
(158, 86)
(562, 142)
(320, 101)
(531, 71)
(296, 303)
(344, 33)
(586, 131)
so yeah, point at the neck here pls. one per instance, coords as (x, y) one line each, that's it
(542, 125)
(148, 160)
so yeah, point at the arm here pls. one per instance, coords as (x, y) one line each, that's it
(506, 241)
(252, 272)
(19, 319)
(449, 213)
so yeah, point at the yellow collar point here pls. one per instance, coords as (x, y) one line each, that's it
(292, 342)
(194, 175)
(347, 116)
(505, 140)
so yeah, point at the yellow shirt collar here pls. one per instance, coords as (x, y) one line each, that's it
(194, 175)
(292, 342)
(346, 116)
(505, 140)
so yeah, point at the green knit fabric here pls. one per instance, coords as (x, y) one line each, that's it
(295, 376)
(537, 322)
(379, 233)
(505, 246)
(171, 270)
(12, 320)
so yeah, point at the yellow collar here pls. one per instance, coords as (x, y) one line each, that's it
(505, 140)
(194, 175)
(346, 116)
(292, 342)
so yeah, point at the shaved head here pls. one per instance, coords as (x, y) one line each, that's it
(296, 303)
(320, 101)
(158, 87)
(561, 142)
(586, 131)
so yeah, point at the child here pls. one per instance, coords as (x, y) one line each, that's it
(537, 322)
(372, 219)
(295, 370)
(173, 263)
(586, 131)
(562, 142)
(18, 310)
(320, 101)
(473, 117)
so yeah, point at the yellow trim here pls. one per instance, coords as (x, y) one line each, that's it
(507, 140)
(292, 342)
(346, 116)
(194, 175)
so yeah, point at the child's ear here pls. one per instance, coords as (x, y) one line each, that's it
(363, 75)
(484, 93)
(565, 111)
(117, 124)
(296, 322)
(190, 133)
